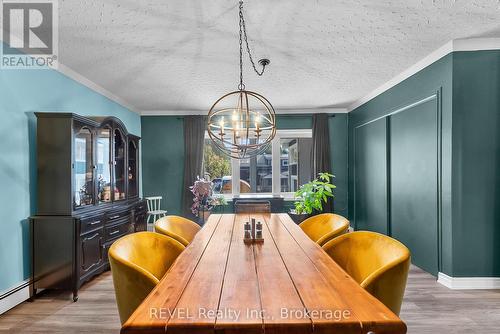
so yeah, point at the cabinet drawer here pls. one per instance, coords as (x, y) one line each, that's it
(115, 217)
(117, 230)
(89, 224)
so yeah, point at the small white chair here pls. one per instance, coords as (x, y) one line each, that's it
(154, 208)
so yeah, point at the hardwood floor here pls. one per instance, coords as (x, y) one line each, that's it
(428, 308)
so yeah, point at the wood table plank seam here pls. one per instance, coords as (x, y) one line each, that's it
(194, 269)
(280, 216)
(225, 269)
(258, 287)
(217, 227)
(288, 271)
(314, 264)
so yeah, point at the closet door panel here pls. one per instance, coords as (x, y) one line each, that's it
(370, 173)
(413, 182)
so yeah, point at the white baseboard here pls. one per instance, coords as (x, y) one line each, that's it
(468, 283)
(15, 298)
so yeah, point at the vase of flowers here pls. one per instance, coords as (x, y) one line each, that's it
(203, 200)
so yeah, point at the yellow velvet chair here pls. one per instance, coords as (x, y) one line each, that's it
(377, 262)
(324, 227)
(179, 228)
(138, 261)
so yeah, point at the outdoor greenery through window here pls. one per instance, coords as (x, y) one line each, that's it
(281, 169)
(217, 168)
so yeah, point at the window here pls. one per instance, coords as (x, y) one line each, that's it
(280, 170)
(217, 168)
(295, 163)
(256, 173)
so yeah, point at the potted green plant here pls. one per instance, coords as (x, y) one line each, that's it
(312, 196)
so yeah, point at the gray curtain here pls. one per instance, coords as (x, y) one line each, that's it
(320, 153)
(194, 134)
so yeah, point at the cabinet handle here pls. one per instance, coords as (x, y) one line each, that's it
(92, 237)
(96, 222)
(114, 232)
(114, 217)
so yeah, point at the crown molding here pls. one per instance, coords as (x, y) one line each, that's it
(72, 74)
(472, 44)
(287, 111)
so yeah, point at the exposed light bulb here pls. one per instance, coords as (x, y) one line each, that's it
(222, 125)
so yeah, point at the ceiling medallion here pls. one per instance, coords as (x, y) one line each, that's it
(242, 123)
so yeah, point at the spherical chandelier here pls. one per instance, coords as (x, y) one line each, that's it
(242, 123)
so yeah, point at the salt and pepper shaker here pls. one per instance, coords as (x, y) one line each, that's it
(258, 231)
(248, 234)
(253, 232)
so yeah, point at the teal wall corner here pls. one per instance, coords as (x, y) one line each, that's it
(338, 127)
(435, 79)
(468, 85)
(476, 163)
(163, 160)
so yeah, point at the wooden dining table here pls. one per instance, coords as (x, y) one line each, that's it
(286, 284)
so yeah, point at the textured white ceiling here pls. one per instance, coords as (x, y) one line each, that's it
(182, 55)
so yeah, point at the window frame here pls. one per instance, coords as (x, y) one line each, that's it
(275, 166)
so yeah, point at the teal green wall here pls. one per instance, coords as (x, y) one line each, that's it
(23, 92)
(338, 155)
(163, 156)
(436, 77)
(476, 162)
(469, 97)
(163, 160)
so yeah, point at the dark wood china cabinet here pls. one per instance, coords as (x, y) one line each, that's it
(88, 197)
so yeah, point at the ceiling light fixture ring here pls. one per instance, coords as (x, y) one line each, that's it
(251, 117)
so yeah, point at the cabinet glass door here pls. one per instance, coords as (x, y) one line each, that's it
(132, 168)
(83, 171)
(119, 162)
(103, 165)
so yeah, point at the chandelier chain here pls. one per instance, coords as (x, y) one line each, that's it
(243, 37)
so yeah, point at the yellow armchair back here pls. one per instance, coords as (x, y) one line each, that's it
(377, 262)
(138, 261)
(179, 228)
(324, 227)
